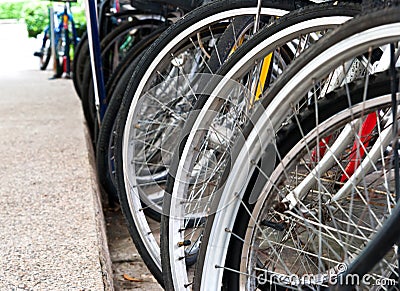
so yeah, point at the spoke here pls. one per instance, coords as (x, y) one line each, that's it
(236, 271)
(184, 75)
(216, 50)
(321, 227)
(204, 60)
(345, 213)
(259, 228)
(204, 185)
(155, 147)
(165, 107)
(156, 203)
(140, 185)
(167, 80)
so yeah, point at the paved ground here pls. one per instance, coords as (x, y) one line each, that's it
(125, 258)
(52, 229)
(50, 223)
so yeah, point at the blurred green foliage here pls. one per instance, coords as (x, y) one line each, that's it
(35, 14)
(11, 10)
(78, 12)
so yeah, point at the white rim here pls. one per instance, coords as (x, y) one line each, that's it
(224, 218)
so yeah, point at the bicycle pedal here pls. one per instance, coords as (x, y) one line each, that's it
(38, 54)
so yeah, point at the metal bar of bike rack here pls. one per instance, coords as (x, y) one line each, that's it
(67, 9)
(95, 57)
(52, 39)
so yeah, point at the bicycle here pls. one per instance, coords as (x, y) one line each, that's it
(64, 24)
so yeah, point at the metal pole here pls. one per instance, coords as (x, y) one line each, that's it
(52, 39)
(95, 57)
(67, 10)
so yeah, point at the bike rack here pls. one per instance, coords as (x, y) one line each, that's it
(52, 39)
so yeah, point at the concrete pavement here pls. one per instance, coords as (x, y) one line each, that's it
(51, 223)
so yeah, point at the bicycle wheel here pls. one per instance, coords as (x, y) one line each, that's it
(348, 222)
(141, 171)
(187, 182)
(114, 47)
(60, 48)
(81, 53)
(357, 40)
(355, 218)
(45, 56)
(115, 89)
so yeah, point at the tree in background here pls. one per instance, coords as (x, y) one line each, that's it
(11, 9)
(35, 14)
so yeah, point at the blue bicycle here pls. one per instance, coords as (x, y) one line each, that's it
(65, 38)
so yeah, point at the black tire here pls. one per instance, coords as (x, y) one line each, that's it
(60, 47)
(106, 135)
(80, 57)
(115, 91)
(45, 58)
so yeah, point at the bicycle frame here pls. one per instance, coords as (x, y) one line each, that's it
(358, 150)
